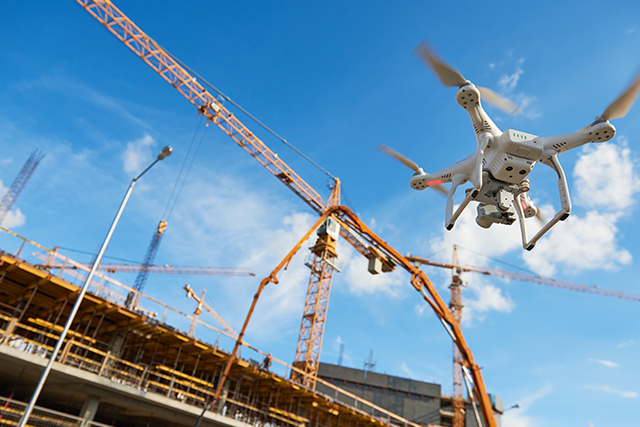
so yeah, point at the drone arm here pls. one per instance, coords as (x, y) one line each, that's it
(561, 215)
(599, 132)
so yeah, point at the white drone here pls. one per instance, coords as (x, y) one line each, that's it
(502, 161)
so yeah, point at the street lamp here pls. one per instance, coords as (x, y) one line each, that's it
(166, 151)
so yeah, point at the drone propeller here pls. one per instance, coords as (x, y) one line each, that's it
(399, 157)
(620, 107)
(451, 77)
(410, 164)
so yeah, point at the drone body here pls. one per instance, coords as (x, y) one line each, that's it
(502, 161)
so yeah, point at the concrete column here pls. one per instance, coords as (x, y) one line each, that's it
(89, 409)
(222, 400)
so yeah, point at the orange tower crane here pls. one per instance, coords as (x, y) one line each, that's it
(545, 281)
(455, 305)
(316, 304)
(201, 303)
(381, 256)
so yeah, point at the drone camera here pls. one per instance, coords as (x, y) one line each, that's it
(504, 199)
(490, 214)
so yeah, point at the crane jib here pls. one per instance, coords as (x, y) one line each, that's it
(161, 62)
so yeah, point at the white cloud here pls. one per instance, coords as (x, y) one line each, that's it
(509, 82)
(408, 372)
(479, 297)
(606, 363)
(605, 177)
(527, 102)
(611, 390)
(358, 279)
(138, 154)
(14, 218)
(486, 298)
(468, 234)
(624, 344)
(517, 417)
(420, 308)
(579, 243)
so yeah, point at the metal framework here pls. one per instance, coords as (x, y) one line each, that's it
(201, 303)
(539, 280)
(143, 274)
(456, 309)
(419, 281)
(322, 264)
(18, 184)
(172, 269)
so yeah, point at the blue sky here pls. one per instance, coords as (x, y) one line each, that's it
(336, 79)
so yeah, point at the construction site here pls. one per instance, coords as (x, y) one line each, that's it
(80, 347)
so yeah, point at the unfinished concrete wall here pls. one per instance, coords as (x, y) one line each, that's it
(415, 400)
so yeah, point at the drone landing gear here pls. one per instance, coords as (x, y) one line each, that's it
(452, 217)
(561, 215)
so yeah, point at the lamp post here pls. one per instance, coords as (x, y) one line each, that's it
(166, 151)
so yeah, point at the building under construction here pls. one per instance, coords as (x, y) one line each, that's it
(127, 367)
(123, 362)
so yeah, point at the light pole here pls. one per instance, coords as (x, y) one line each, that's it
(166, 151)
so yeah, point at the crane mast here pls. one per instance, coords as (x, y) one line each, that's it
(18, 184)
(214, 314)
(143, 274)
(455, 305)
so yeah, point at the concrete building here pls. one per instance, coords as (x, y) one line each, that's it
(417, 401)
(124, 367)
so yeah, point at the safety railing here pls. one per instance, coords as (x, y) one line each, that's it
(11, 412)
(37, 336)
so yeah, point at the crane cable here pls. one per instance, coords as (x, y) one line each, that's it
(252, 117)
(171, 203)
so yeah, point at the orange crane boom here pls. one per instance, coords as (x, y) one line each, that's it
(530, 278)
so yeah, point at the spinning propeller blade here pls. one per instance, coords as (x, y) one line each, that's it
(451, 77)
(399, 157)
(410, 164)
(620, 107)
(501, 102)
(448, 75)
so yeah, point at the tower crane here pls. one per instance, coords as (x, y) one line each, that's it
(456, 306)
(18, 184)
(539, 280)
(159, 269)
(381, 256)
(322, 258)
(143, 273)
(201, 303)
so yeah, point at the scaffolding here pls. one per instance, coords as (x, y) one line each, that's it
(136, 350)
